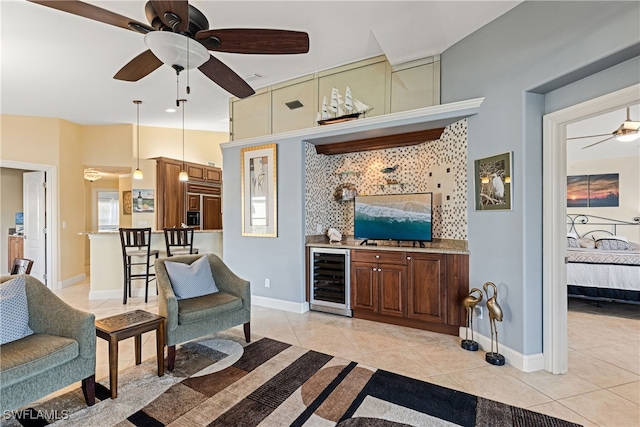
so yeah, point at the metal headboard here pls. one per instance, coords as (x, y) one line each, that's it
(591, 220)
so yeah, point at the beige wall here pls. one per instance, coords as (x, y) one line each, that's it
(627, 168)
(11, 190)
(70, 147)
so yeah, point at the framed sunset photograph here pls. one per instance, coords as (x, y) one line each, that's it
(604, 190)
(578, 191)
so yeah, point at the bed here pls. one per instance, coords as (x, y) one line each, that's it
(602, 264)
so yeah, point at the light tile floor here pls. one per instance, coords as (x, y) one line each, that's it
(602, 387)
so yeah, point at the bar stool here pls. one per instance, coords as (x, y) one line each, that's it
(181, 240)
(136, 242)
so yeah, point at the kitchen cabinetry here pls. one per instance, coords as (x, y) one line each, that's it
(417, 289)
(200, 194)
(170, 198)
(16, 249)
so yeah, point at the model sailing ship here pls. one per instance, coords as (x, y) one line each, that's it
(337, 110)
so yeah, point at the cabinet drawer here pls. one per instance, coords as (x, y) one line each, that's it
(385, 257)
(203, 189)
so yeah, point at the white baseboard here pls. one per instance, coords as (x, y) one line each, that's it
(295, 307)
(525, 363)
(71, 281)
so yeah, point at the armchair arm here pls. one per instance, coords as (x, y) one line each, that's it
(167, 301)
(48, 314)
(228, 281)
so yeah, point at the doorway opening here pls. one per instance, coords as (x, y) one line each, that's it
(108, 211)
(554, 218)
(50, 277)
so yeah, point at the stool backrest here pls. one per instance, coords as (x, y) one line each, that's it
(181, 237)
(138, 238)
(21, 266)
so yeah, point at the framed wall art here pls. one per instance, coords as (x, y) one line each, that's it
(593, 191)
(492, 178)
(259, 191)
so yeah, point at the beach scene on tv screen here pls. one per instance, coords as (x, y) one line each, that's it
(393, 217)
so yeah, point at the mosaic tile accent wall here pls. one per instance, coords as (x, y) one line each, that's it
(438, 166)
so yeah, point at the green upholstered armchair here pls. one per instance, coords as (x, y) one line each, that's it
(191, 318)
(60, 352)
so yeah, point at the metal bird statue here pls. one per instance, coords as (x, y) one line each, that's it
(469, 302)
(495, 313)
(389, 170)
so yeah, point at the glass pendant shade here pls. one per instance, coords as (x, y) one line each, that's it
(627, 135)
(137, 174)
(183, 176)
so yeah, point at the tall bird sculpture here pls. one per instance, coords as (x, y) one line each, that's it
(469, 302)
(495, 313)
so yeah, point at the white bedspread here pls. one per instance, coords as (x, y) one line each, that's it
(604, 269)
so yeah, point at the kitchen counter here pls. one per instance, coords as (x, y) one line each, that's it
(107, 271)
(445, 246)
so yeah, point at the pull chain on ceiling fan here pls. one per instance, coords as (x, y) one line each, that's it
(628, 131)
(173, 21)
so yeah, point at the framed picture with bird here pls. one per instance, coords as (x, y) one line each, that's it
(492, 179)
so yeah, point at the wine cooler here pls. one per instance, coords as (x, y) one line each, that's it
(329, 280)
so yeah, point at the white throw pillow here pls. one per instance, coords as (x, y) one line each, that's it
(190, 281)
(14, 311)
(612, 243)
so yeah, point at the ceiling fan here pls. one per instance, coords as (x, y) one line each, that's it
(629, 130)
(179, 36)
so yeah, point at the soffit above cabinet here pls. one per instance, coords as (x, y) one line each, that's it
(421, 119)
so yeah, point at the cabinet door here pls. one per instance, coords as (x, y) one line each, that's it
(364, 286)
(427, 290)
(171, 197)
(212, 174)
(196, 172)
(211, 213)
(193, 202)
(392, 287)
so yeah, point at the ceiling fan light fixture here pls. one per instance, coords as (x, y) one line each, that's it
(171, 49)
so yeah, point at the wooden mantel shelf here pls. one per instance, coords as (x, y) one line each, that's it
(406, 127)
(380, 142)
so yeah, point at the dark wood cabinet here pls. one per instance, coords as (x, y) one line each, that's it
(211, 213)
(201, 193)
(417, 289)
(193, 202)
(427, 287)
(204, 173)
(170, 198)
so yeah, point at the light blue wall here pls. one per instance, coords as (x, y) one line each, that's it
(536, 47)
(280, 259)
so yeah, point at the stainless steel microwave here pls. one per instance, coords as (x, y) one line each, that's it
(193, 218)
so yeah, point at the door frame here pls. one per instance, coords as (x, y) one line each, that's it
(51, 208)
(554, 211)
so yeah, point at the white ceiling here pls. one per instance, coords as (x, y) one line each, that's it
(600, 125)
(55, 64)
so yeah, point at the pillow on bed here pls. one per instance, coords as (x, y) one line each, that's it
(612, 243)
(572, 242)
(587, 243)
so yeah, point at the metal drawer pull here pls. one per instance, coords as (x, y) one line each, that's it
(409, 258)
(379, 269)
(377, 256)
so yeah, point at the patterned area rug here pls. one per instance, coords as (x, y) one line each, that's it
(221, 381)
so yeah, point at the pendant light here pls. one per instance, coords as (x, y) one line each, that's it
(137, 174)
(183, 174)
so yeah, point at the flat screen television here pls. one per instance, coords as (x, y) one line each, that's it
(394, 217)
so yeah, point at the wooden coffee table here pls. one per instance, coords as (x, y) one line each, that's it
(127, 325)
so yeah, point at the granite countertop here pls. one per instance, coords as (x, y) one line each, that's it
(152, 232)
(448, 246)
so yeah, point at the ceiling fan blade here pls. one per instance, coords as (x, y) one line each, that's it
(599, 142)
(169, 11)
(254, 40)
(90, 11)
(588, 136)
(226, 78)
(139, 67)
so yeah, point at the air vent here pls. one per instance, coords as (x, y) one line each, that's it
(294, 104)
(252, 77)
